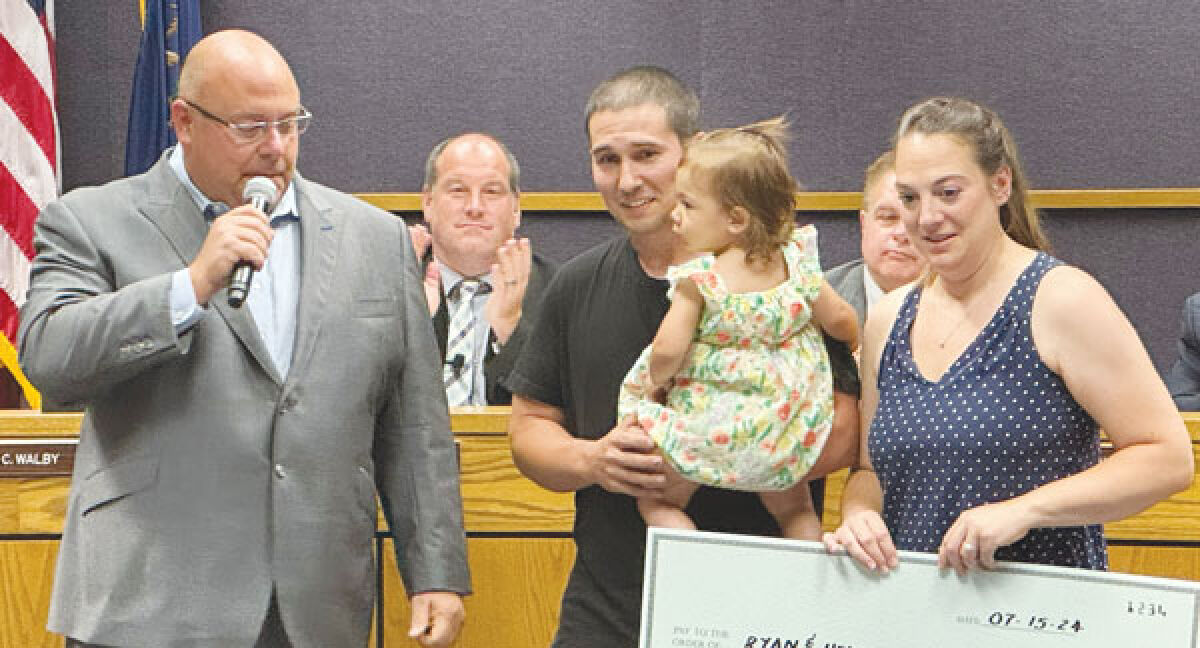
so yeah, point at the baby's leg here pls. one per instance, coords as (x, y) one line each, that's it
(666, 509)
(793, 509)
(841, 448)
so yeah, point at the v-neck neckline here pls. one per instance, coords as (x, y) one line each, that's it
(969, 352)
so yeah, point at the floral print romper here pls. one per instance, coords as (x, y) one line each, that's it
(753, 404)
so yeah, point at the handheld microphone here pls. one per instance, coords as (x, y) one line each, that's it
(457, 363)
(260, 193)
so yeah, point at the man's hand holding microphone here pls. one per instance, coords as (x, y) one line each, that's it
(236, 245)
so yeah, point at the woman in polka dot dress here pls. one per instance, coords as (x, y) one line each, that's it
(984, 386)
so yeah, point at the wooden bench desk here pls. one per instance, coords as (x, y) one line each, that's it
(518, 534)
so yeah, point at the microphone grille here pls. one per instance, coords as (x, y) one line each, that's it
(260, 187)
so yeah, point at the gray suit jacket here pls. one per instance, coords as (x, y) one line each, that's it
(847, 280)
(1184, 378)
(203, 479)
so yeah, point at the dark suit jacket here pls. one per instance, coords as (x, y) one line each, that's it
(1184, 378)
(203, 479)
(847, 280)
(496, 366)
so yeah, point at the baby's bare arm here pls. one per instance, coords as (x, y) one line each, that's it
(836, 316)
(669, 349)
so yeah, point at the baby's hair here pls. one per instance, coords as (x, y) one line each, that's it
(747, 167)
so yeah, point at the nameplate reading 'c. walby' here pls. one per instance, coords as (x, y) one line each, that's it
(715, 590)
(37, 457)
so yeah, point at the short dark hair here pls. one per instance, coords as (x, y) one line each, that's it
(648, 84)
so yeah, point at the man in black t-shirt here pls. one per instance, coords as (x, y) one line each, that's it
(600, 311)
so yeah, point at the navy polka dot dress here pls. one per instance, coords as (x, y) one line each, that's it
(998, 424)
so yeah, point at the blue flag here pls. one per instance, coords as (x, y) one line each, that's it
(170, 30)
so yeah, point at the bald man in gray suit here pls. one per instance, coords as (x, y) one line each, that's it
(225, 481)
(888, 257)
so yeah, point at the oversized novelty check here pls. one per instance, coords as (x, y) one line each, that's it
(714, 590)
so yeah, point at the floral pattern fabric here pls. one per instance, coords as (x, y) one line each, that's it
(753, 404)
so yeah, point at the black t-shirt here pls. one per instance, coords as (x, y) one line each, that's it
(598, 314)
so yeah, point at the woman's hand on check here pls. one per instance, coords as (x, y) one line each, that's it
(865, 537)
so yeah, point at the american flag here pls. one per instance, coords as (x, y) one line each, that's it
(29, 154)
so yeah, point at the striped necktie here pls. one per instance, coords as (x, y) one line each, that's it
(458, 373)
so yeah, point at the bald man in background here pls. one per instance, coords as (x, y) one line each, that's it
(225, 481)
(471, 202)
(889, 259)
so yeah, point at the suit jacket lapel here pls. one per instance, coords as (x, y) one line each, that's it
(169, 206)
(441, 323)
(241, 322)
(859, 300)
(441, 318)
(321, 235)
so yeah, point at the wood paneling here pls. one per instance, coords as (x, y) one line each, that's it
(1164, 562)
(498, 498)
(1176, 518)
(585, 201)
(10, 508)
(519, 569)
(24, 423)
(26, 575)
(835, 485)
(43, 504)
(33, 505)
(518, 583)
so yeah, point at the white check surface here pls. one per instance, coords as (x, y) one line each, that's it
(713, 590)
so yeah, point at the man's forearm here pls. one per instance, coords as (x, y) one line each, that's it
(544, 451)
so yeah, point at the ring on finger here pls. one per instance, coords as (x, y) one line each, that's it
(967, 547)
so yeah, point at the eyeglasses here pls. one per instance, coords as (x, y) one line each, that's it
(253, 132)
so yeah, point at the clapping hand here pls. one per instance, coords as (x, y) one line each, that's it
(432, 281)
(510, 277)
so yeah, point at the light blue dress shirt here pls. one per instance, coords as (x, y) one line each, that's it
(275, 290)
